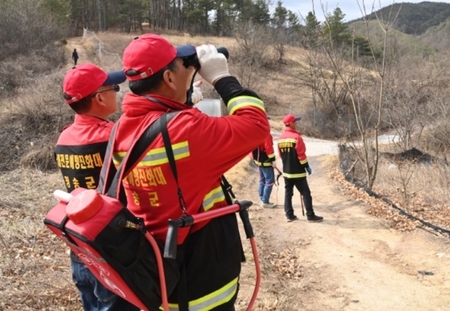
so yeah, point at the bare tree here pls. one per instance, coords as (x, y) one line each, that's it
(253, 54)
(369, 132)
(351, 87)
(437, 129)
(409, 96)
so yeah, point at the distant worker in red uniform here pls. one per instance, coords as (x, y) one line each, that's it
(204, 148)
(292, 151)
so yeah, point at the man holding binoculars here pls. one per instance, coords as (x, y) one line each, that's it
(204, 147)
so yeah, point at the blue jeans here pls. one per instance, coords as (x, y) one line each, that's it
(266, 181)
(94, 296)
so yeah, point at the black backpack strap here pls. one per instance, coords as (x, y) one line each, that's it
(112, 186)
(182, 297)
(108, 165)
(171, 158)
(227, 190)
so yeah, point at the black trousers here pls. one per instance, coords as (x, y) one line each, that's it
(302, 186)
(213, 257)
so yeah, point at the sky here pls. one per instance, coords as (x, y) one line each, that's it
(349, 7)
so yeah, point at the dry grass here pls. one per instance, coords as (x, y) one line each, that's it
(31, 123)
(34, 264)
(418, 190)
(422, 190)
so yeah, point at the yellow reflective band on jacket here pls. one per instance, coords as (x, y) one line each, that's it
(263, 163)
(286, 142)
(299, 175)
(304, 161)
(213, 197)
(157, 156)
(211, 300)
(244, 101)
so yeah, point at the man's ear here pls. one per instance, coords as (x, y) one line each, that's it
(98, 98)
(168, 77)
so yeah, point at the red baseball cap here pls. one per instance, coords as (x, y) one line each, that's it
(290, 118)
(86, 78)
(149, 53)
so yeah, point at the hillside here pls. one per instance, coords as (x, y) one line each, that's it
(414, 18)
(438, 37)
(420, 28)
(405, 43)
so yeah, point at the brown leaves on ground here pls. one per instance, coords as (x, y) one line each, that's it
(287, 263)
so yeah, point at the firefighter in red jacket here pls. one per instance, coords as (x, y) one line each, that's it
(79, 154)
(204, 148)
(292, 151)
(264, 158)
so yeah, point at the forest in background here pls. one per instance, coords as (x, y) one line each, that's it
(30, 25)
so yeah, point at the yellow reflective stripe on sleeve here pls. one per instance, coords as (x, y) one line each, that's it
(299, 175)
(211, 300)
(304, 161)
(244, 101)
(262, 163)
(212, 198)
(272, 155)
(158, 156)
(266, 164)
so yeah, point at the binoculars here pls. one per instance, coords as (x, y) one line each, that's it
(193, 59)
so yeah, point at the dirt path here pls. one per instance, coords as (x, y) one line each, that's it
(351, 261)
(75, 43)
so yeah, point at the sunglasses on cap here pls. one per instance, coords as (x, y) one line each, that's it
(115, 87)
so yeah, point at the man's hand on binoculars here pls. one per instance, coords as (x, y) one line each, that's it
(213, 65)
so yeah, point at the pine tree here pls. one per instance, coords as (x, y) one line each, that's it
(335, 30)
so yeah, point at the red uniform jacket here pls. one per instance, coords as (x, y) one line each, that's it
(80, 151)
(264, 154)
(204, 147)
(292, 151)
